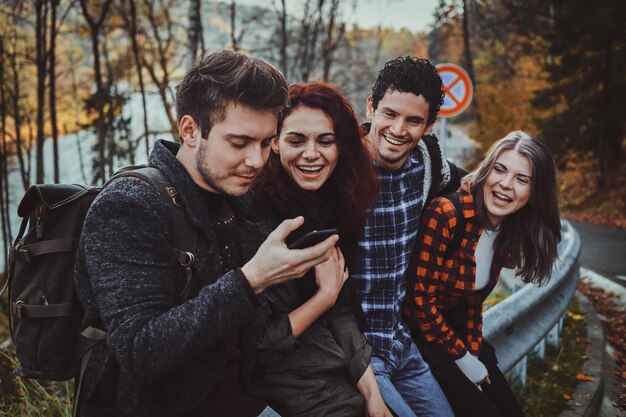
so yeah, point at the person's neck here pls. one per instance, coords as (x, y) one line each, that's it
(370, 143)
(188, 161)
(304, 196)
(492, 226)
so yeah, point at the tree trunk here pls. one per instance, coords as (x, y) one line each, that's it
(283, 38)
(40, 29)
(311, 59)
(162, 48)
(133, 36)
(233, 26)
(94, 29)
(31, 139)
(4, 194)
(311, 26)
(332, 41)
(17, 120)
(100, 129)
(196, 35)
(52, 92)
(76, 100)
(109, 118)
(469, 60)
(160, 84)
(4, 171)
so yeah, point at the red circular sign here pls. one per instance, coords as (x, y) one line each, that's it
(457, 87)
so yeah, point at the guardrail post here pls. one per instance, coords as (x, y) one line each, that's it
(540, 349)
(519, 371)
(552, 339)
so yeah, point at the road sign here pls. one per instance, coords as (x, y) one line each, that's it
(458, 89)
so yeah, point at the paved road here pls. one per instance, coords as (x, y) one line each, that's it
(603, 249)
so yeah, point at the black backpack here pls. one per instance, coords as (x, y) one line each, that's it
(449, 191)
(45, 314)
(459, 229)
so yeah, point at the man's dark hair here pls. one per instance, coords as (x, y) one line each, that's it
(410, 75)
(223, 77)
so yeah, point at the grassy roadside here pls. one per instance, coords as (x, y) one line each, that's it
(551, 382)
(28, 397)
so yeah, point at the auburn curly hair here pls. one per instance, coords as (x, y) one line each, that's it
(353, 186)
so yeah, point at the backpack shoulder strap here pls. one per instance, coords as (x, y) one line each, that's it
(184, 234)
(459, 231)
(436, 164)
(151, 175)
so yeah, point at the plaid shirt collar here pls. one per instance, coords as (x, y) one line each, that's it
(413, 158)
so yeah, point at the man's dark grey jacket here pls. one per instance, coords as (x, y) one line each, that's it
(160, 358)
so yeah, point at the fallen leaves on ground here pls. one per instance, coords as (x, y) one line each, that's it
(575, 316)
(614, 325)
(584, 377)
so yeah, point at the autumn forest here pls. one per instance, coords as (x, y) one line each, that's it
(553, 68)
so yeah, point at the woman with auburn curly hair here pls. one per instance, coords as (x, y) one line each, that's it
(312, 359)
(511, 218)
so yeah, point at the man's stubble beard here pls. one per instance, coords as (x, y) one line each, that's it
(209, 176)
(203, 168)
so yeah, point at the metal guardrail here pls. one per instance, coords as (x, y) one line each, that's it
(521, 322)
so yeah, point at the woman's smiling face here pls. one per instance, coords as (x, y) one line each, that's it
(508, 186)
(307, 147)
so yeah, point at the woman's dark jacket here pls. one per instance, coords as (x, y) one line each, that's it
(315, 374)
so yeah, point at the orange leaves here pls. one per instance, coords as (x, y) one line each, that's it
(584, 377)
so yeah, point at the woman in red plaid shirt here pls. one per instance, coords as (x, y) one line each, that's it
(510, 212)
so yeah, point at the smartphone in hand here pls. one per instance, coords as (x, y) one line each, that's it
(313, 238)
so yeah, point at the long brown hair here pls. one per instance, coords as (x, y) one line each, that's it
(528, 238)
(353, 186)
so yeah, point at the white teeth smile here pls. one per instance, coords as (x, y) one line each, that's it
(502, 197)
(393, 141)
(310, 168)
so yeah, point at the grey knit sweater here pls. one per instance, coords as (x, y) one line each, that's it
(160, 358)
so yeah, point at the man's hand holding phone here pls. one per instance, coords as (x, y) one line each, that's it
(274, 262)
(313, 238)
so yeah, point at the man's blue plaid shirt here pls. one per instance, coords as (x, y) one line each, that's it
(389, 238)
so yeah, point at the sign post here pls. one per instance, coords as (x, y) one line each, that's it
(458, 90)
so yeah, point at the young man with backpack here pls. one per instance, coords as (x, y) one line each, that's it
(173, 352)
(402, 108)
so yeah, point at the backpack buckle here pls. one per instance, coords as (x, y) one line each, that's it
(19, 252)
(187, 259)
(171, 191)
(17, 308)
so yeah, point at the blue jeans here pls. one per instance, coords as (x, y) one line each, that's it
(407, 385)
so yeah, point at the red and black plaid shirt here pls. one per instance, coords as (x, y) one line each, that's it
(436, 283)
